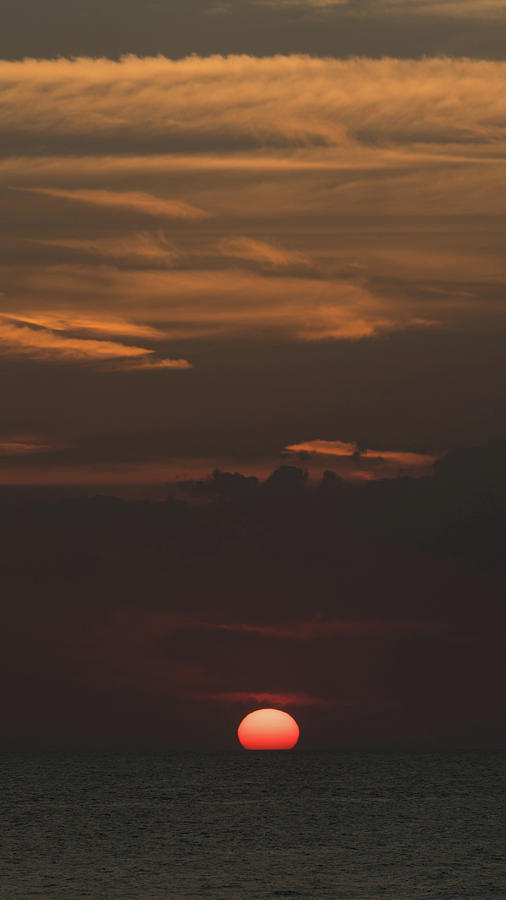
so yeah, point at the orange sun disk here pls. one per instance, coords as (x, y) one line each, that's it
(268, 729)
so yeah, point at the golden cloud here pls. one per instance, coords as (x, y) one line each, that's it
(280, 153)
(75, 320)
(204, 302)
(402, 459)
(261, 251)
(297, 98)
(20, 339)
(141, 246)
(151, 365)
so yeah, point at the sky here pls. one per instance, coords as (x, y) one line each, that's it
(240, 235)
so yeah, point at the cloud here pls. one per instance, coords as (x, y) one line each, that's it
(458, 8)
(318, 5)
(271, 139)
(295, 98)
(403, 459)
(40, 343)
(78, 320)
(18, 339)
(275, 699)
(395, 570)
(321, 628)
(462, 9)
(203, 302)
(157, 624)
(262, 252)
(137, 201)
(271, 175)
(144, 247)
(14, 447)
(151, 365)
(134, 642)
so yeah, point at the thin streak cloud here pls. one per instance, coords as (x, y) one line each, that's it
(22, 340)
(44, 344)
(280, 699)
(403, 458)
(270, 254)
(15, 447)
(138, 201)
(460, 9)
(75, 320)
(142, 246)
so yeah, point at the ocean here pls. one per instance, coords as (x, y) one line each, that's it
(345, 825)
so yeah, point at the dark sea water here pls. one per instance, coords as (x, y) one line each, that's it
(253, 825)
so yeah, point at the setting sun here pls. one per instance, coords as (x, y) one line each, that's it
(268, 729)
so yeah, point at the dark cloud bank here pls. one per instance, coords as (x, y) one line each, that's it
(374, 612)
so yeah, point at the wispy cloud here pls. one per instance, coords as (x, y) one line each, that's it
(158, 623)
(321, 627)
(139, 201)
(19, 446)
(453, 8)
(357, 101)
(44, 344)
(461, 9)
(78, 320)
(141, 246)
(21, 339)
(271, 138)
(253, 164)
(281, 699)
(131, 642)
(203, 302)
(151, 365)
(263, 252)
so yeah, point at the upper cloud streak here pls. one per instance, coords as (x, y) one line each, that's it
(285, 99)
(462, 9)
(128, 200)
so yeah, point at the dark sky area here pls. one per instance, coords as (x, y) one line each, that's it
(252, 236)
(177, 28)
(374, 613)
